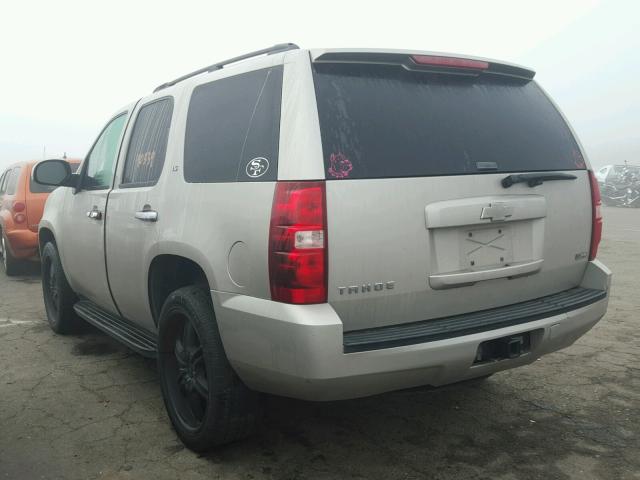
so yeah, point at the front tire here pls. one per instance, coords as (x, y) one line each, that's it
(206, 401)
(10, 263)
(59, 298)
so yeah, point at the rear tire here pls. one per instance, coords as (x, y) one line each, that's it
(206, 401)
(10, 263)
(59, 298)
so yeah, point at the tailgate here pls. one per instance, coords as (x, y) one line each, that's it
(414, 252)
(419, 224)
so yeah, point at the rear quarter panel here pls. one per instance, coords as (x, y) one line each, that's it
(223, 227)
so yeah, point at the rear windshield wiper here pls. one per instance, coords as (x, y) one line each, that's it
(535, 179)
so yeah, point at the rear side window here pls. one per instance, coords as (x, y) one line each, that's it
(233, 128)
(35, 187)
(148, 144)
(384, 121)
(12, 181)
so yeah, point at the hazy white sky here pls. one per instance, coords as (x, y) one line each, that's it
(67, 65)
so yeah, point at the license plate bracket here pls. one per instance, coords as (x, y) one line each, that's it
(486, 247)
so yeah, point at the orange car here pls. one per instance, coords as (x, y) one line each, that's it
(21, 205)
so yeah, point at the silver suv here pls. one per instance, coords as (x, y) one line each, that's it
(327, 224)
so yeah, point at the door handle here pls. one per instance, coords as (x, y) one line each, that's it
(94, 214)
(147, 215)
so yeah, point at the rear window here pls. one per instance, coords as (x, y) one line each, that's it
(384, 121)
(3, 181)
(12, 182)
(233, 128)
(35, 187)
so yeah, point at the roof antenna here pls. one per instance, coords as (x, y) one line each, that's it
(64, 156)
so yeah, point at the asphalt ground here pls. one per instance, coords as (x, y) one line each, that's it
(84, 407)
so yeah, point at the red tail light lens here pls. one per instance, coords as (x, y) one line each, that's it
(596, 216)
(297, 243)
(451, 62)
(19, 207)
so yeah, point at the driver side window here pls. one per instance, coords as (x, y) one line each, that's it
(101, 162)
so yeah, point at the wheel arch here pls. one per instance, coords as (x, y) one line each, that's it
(168, 272)
(45, 235)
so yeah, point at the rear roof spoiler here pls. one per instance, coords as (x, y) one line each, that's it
(436, 63)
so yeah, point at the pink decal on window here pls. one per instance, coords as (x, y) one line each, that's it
(339, 166)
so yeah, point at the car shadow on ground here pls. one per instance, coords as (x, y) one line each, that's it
(28, 272)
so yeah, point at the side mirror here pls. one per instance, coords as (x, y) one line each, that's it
(56, 173)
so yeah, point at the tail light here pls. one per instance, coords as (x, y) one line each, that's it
(297, 243)
(596, 216)
(18, 209)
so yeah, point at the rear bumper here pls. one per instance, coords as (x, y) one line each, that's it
(297, 351)
(23, 243)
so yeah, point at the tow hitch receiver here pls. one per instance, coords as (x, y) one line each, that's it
(503, 348)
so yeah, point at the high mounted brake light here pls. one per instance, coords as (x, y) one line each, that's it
(596, 216)
(442, 64)
(451, 62)
(297, 243)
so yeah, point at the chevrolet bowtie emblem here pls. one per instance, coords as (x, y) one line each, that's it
(496, 212)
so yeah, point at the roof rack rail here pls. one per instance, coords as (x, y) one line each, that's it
(281, 47)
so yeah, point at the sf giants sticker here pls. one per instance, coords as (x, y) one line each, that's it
(257, 167)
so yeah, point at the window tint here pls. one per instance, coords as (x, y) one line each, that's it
(101, 161)
(148, 144)
(12, 181)
(35, 187)
(384, 121)
(233, 128)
